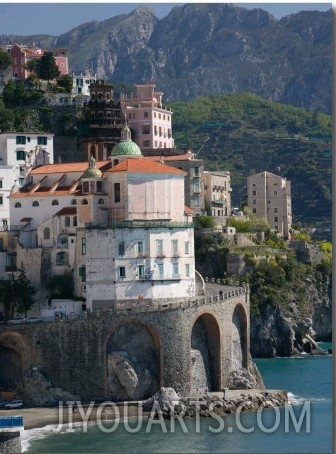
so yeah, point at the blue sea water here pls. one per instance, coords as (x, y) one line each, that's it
(303, 427)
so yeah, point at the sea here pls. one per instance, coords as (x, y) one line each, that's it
(304, 426)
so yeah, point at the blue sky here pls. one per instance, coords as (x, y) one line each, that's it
(57, 18)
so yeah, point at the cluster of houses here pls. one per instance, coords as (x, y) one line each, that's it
(120, 222)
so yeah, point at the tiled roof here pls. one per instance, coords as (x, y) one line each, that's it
(66, 211)
(144, 165)
(68, 167)
(180, 157)
(45, 192)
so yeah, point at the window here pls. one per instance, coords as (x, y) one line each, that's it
(115, 162)
(54, 202)
(275, 192)
(276, 219)
(187, 270)
(85, 202)
(83, 246)
(140, 247)
(254, 192)
(275, 210)
(196, 186)
(74, 222)
(196, 200)
(145, 129)
(0, 184)
(254, 201)
(82, 273)
(122, 271)
(100, 201)
(175, 247)
(62, 258)
(86, 187)
(42, 140)
(141, 271)
(146, 143)
(121, 248)
(99, 186)
(35, 203)
(146, 114)
(73, 202)
(196, 172)
(254, 210)
(117, 192)
(21, 181)
(175, 269)
(20, 155)
(67, 221)
(17, 205)
(1, 199)
(186, 247)
(22, 171)
(160, 270)
(20, 140)
(159, 248)
(46, 233)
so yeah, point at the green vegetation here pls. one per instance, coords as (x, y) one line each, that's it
(61, 286)
(246, 134)
(45, 67)
(16, 295)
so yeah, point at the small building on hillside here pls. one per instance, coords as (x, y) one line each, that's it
(217, 193)
(269, 197)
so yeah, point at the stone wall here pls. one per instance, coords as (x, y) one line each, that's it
(73, 355)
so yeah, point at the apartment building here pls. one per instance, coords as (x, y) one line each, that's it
(150, 122)
(269, 198)
(217, 192)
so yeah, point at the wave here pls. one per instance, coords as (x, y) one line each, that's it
(294, 399)
(42, 432)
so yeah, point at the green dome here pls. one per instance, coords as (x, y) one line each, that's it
(126, 148)
(92, 172)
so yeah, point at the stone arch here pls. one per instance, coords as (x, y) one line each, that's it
(16, 356)
(133, 361)
(205, 352)
(239, 350)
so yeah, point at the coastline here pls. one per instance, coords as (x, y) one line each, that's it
(246, 400)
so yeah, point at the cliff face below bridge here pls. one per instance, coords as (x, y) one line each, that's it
(278, 330)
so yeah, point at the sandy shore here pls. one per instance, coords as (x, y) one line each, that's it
(43, 416)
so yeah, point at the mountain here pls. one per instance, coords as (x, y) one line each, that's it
(200, 49)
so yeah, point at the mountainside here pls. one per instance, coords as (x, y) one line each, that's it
(201, 49)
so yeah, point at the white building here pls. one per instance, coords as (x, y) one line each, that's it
(150, 122)
(79, 95)
(19, 154)
(119, 226)
(269, 198)
(217, 192)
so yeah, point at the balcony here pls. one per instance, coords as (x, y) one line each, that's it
(146, 224)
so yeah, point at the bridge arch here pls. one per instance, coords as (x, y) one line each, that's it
(205, 353)
(133, 361)
(16, 356)
(239, 350)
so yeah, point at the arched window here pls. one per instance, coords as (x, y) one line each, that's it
(46, 233)
(67, 221)
(85, 202)
(35, 203)
(17, 205)
(100, 201)
(54, 202)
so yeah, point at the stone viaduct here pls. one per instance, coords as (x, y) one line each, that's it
(129, 352)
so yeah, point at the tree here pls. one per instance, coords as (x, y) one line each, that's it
(45, 67)
(5, 60)
(7, 298)
(66, 82)
(23, 292)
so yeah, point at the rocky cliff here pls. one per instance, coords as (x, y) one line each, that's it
(199, 49)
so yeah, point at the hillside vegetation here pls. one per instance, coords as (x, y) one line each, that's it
(246, 134)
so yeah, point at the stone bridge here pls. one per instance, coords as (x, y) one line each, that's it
(128, 353)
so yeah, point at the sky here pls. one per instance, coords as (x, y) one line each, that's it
(27, 18)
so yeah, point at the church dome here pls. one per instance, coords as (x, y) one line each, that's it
(126, 147)
(92, 171)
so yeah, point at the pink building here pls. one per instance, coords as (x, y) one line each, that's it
(151, 124)
(21, 55)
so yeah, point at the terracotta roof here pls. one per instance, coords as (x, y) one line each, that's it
(180, 157)
(44, 192)
(66, 211)
(67, 167)
(144, 165)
